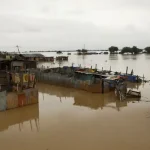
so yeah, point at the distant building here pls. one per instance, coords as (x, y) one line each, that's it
(62, 58)
(12, 65)
(36, 57)
(33, 57)
(59, 52)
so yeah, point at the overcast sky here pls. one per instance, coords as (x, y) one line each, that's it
(69, 24)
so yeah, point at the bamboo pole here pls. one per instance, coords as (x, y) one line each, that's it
(95, 66)
(127, 70)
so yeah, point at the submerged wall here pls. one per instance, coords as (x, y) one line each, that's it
(84, 83)
(15, 100)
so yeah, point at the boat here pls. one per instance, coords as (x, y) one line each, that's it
(131, 78)
(134, 94)
(62, 58)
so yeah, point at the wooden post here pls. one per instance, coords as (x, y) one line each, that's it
(137, 80)
(110, 68)
(91, 67)
(96, 66)
(28, 79)
(102, 68)
(132, 72)
(21, 81)
(102, 86)
(127, 70)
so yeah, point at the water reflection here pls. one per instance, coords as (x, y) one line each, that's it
(30, 114)
(99, 101)
(129, 56)
(134, 86)
(113, 57)
(17, 117)
(147, 56)
(55, 90)
(86, 99)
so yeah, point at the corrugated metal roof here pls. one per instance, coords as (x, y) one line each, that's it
(32, 55)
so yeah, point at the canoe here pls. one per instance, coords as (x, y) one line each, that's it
(132, 93)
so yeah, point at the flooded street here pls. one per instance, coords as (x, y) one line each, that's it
(70, 119)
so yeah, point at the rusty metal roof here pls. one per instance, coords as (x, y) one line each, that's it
(32, 55)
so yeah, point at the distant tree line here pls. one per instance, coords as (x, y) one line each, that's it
(113, 49)
(81, 51)
(147, 49)
(131, 50)
(3, 54)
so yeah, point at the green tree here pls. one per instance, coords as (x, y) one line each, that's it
(133, 50)
(147, 49)
(78, 52)
(127, 50)
(113, 49)
(81, 52)
(84, 51)
(136, 50)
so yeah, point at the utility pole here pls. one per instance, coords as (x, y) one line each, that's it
(84, 46)
(18, 49)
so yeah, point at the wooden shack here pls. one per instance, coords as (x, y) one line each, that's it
(22, 65)
(62, 58)
(91, 82)
(19, 82)
(49, 59)
(32, 57)
(3, 80)
(12, 64)
(21, 88)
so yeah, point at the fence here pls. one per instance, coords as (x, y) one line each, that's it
(55, 78)
(88, 84)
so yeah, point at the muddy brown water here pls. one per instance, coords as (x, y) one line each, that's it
(70, 119)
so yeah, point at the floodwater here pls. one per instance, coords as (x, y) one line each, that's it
(70, 119)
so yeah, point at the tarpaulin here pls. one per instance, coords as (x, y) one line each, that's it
(25, 78)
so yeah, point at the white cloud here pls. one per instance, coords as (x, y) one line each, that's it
(68, 24)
